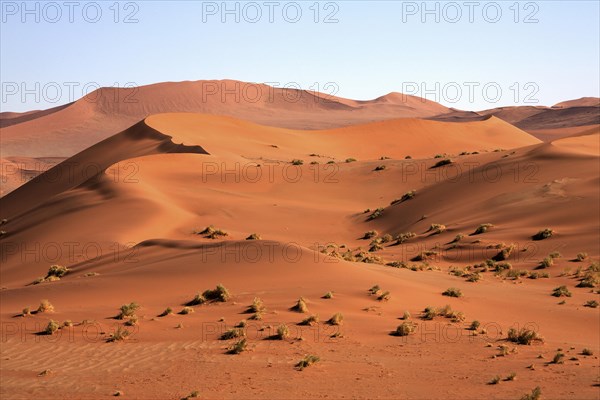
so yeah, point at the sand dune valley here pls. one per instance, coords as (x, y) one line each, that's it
(190, 240)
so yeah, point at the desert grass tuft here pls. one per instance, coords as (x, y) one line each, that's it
(45, 306)
(128, 310)
(310, 320)
(307, 361)
(52, 327)
(283, 332)
(328, 295)
(186, 310)
(483, 228)
(523, 336)
(436, 229)
(220, 293)
(591, 304)
(119, 335)
(543, 234)
(300, 306)
(336, 319)
(232, 334)
(452, 292)
(253, 236)
(369, 235)
(385, 296)
(239, 347)
(404, 329)
(561, 291)
(534, 395)
(403, 237)
(168, 311)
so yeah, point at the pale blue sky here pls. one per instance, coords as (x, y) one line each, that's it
(373, 48)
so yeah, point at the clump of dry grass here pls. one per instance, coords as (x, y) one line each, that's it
(385, 296)
(257, 306)
(300, 306)
(436, 229)
(543, 234)
(253, 236)
(581, 256)
(239, 347)
(587, 352)
(483, 228)
(424, 255)
(404, 237)
(220, 293)
(232, 334)
(307, 361)
(370, 234)
(534, 395)
(504, 253)
(186, 310)
(119, 335)
(283, 332)
(52, 327)
(380, 168)
(561, 291)
(310, 320)
(194, 394)
(406, 196)
(168, 311)
(55, 272)
(336, 319)
(558, 358)
(45, 306)
(452, 292)
(406, 315)
(404, 329)
(128, 310)
(26, 312)
(375, 289)
(328, 295)
(523, 336)
(375, 214)
(591, 304)
(211, 232)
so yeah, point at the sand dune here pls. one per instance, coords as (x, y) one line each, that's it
(125, 216)
(66, 130)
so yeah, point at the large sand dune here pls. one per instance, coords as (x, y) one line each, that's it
(131, 220)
